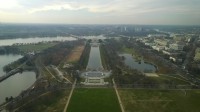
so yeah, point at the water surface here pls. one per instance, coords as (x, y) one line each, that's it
(13, 85)
(6, 59)
(8, 42)
(94, 62)
(138, 64)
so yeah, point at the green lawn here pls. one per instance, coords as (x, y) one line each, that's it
(128, 50)
(164, 79)
(141, 100)
(197, 54)
(94, 100)
(50, 102)
(36, 47)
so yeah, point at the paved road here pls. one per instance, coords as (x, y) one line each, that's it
(118, 97)
(70, 95)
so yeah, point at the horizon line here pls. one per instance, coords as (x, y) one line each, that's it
(27, 23)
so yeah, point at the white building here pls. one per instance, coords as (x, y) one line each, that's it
(175, 59)
(177, 47)
(161, 42)
(158, 48)
(94, 78)
(156, 35)
(166, 52)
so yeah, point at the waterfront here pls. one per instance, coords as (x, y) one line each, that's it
(138, 64)
(9, 42)
(15, 84)
(6, 59)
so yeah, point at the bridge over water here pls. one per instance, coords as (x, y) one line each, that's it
(12, 72)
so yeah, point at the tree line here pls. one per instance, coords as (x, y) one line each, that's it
(122, 73)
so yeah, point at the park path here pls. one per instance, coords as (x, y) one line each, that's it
(70, 95)
(118, 97)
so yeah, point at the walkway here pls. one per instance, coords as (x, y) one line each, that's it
(70, 95)
(118, 97)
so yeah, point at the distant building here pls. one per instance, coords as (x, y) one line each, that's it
(161, 42)
(158, 48)
(156, 35)
(149, 44)
(181, 37)
(138, 29)
(175, 59)
(177, 46)
(94, 78)
(31, 53)
(166, 52)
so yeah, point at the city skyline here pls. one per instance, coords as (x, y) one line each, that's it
(158, 12)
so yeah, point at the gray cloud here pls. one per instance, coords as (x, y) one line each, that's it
(107, 11)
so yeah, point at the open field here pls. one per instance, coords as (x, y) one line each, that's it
(75, 54)
(94, 100)
(197, 55)
(148, 100)
(129, 51)
(163, 79)
(48, 102)
(35, 47)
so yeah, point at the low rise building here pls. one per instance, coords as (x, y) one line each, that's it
(158, 48)
(161, 42)
(94, 78)
(150, 44)
(166, 52)
(175, 59)
(156, 35)
(177, 46)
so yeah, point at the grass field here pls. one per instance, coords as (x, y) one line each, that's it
(141, 100)
(35, 47)
(163, 79)
(49, 102)
(94, 100)
(197, 54)
(128, 50)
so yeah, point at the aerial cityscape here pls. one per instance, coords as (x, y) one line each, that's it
(100, 56)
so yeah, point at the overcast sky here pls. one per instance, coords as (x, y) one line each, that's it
(167, 12)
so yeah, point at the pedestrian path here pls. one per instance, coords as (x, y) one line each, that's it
(70, 95)
(118, 97)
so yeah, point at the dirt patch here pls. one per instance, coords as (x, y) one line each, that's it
(75, 54)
